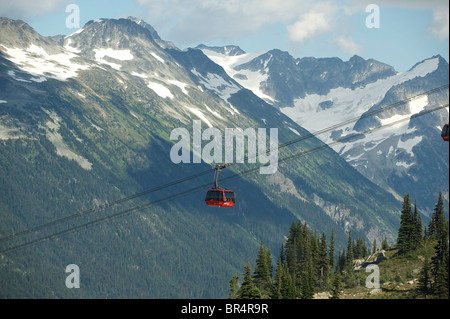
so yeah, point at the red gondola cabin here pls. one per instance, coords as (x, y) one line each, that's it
(220, 197)
(445, 133)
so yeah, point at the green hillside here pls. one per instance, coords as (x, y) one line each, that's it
(416, 267)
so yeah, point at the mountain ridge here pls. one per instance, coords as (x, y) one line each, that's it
(314, 91)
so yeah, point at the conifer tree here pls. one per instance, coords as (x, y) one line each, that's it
(262, 276)
(416, 233)
(284, 286)
(439, 219)
(341, 260)
(384, 243)
(277, 286)
(440, 264)
(438, 231)
(314, 262)
(364, 248)
(337, 285)
(307, 286)
(282, 254)
(291, 249)
(331, 252)
(289, 287)
(269, 260)
(358, 249)
(248, 289)
(425, 278)
(234, 283)
(441, 280)
(404, 243)
(323, 264)
(349, 255)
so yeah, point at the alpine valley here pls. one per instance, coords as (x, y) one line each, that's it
(87, 179)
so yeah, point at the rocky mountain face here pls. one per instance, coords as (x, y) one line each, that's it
(86, 120)
(339, 97)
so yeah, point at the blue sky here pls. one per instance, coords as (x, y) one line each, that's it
(409, 31)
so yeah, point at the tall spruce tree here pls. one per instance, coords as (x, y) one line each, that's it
(234, 283)
(404, 243)
(440, 260)
(315, 269)
(323, 263)
(358, 250)
(435, 227)
(439, 219)
(416, 231)
(384, 243)
(263, 275)
(349, 256)
(289, 290)
(337, 285)
(307, 284)
(331, 252)
(425, 278)
(365, 253)
(292, 248)
(248, 290)
(269, 260)
(277, 286)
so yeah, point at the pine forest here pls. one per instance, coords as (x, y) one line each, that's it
(308, 265)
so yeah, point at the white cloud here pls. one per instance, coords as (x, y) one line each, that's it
(439, 25)
(24, 9)
(203, 20)
(311, 24)
(347, 45)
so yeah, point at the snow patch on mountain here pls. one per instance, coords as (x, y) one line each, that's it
(36, 61)
(294, 130)
(200, 115)
(213, 112)
(251, 80)
(75, 33)
(122, 55)
(69, 48)
(160, 89)
(218, 84)
(408, 145)
(416, 106)
(157, 57)
(140, 75)
(181, 85)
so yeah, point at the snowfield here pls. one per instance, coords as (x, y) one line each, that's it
(160, 89)
(248, 79)
(122, 55)
(36, 61)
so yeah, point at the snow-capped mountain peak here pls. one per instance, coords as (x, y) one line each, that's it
(320, 93)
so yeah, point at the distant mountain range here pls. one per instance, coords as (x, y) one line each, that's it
(321, 93)
(86, 119)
